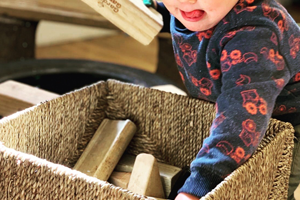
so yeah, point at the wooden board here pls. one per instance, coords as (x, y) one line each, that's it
(170, 88)
(15, 96)
(70, 5)
(106, 148)
(168, 173)
(120, 179)
(145, 178)
(131, 16)
(120, 49)
(32, 10)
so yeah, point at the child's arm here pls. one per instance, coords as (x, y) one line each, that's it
(253, 74)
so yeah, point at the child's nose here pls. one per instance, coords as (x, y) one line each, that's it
(188, 1)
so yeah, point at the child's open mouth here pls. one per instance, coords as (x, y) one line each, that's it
(192, 16)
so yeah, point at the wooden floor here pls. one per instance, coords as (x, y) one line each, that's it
(119, 49)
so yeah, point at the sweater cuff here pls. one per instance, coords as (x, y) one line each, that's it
(199, 183)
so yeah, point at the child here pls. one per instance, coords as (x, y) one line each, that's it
(244, 55)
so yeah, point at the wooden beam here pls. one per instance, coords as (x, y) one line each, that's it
(131, 16)
(106, 147)
(68, 5)
(32, 10)
(145, 178)
(120, 179)
(169, 174)
(15, 96)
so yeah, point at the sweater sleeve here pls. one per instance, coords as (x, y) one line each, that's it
(253, 75)
(166, 17)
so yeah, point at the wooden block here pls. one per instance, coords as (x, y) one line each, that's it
(15, 96)
(170, 88)
(168, 173)
(72, 5)
(120, 179)
(106, 148)
(145, 178)
(131, 16)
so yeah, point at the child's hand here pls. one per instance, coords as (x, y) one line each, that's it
(186, 196)
(150, 3)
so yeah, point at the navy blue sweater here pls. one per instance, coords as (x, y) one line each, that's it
(248, 64)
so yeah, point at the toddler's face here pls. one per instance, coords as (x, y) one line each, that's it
(199, 15)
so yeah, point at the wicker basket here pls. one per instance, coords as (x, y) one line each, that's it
(41, 144)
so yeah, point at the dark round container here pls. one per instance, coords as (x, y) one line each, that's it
(64, 75)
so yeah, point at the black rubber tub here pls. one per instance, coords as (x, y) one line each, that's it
(61, 75)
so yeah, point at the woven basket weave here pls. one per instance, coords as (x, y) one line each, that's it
(42, 144)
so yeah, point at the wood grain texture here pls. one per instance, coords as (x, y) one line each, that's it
(131, 16)
(15, 96)
(118, 49)
(32, 10)
(169, 174)
(71, 5)
(106, 148)
(145, 178)
(120, 179)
